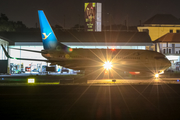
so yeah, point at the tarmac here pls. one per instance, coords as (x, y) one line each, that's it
(90, 102)
(61, 79)
(107, 99)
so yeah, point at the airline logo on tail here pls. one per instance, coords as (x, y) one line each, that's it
(49, 39)
(46, 36)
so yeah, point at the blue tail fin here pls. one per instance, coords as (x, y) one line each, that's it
(49, 39)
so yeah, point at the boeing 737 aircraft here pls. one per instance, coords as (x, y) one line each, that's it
(94, 59)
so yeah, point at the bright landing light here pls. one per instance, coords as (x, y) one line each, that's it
(107, 65)
(156, 75)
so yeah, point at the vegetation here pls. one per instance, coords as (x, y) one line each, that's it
(9, 26)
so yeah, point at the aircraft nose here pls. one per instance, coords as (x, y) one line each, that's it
(168, 63)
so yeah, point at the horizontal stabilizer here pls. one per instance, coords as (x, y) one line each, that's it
(6, 53)
(28, 50)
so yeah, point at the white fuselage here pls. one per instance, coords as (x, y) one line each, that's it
(121, 59)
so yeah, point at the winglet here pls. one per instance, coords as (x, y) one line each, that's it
(6, 53)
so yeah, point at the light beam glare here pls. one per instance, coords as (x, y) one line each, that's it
(107, 65)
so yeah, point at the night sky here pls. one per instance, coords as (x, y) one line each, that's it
(73, 10)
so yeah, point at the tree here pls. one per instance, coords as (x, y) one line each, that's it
(58, 27)
(78, 27)
(3, 17)
(19, 26)
(6, 25)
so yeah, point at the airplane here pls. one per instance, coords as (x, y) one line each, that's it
(129, 60)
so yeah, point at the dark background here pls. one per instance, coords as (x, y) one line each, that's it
(73, 10)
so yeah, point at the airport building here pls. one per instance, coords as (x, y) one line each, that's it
(159, 25)
(169, 44)
(82, 40)
(164, 30)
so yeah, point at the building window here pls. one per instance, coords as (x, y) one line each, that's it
(170, 31)
(169, 51)
(177, 31)
(164, 51)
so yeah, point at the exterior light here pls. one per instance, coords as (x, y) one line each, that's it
(161, 72)
(156, 75)
(70, 49)
(107, 65)
(112, 49)
(31, 80)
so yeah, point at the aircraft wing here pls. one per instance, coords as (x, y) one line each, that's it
(8, 56)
